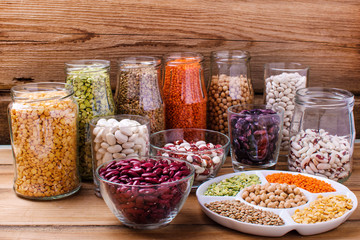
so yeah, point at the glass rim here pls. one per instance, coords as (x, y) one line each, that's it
(324, 96)
(276, 109)
(94, 121)
(174, 58)
(226, 55)
(191, 167)
(139, 61)
(292, 66)
(185, 129)
(90, 65)
(46, 86)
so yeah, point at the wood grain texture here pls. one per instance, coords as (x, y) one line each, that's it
(84, 216)
(38, 36)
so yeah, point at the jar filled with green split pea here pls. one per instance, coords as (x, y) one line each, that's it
(90, 80)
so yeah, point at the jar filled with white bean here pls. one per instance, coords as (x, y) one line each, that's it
(118, 137)
(322, 133)
(281, 82)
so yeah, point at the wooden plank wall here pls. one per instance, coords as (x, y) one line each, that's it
(38, 36)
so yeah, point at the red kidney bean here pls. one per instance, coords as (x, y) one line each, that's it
(143, 200)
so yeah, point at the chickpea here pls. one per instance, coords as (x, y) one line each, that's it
(245, 194)
(248, 199)
(287, 205)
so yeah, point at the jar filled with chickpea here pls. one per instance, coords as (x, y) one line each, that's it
(230, 84)
(43, 131)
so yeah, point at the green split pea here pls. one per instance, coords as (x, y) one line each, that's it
(92, 90)
(232, 186)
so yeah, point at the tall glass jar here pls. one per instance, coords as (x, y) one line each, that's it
(322, 133)
(90, 80)
(230, 84)
(137, 89)
(43, 131)
(282, 79)
(184, 91)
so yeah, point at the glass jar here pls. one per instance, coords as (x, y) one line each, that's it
(137, 90)
(184, 91)
(230, 84)
(322, 133)
(91, 83)
(43, 131)
(282, 79)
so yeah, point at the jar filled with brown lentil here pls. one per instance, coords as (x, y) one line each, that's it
(43, 131)
(137, 90)
(230, 84)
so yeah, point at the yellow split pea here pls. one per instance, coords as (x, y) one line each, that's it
(323, 209)
(44, 140)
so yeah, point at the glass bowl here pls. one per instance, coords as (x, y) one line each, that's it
(207, 157)
(149, 206)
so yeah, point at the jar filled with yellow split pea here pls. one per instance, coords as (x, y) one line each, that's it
(43, 131)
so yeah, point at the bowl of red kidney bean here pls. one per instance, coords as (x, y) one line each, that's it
(205, 149)
(145, 193)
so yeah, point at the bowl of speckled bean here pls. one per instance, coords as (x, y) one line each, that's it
(205, 149)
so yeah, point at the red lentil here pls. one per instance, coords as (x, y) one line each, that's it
(308, 183)
(184, 92)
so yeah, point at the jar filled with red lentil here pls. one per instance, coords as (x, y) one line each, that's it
(43, 131)
(230, 84)
(184, 91)
(137, 89)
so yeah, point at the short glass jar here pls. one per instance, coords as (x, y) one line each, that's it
(137, 89)
(43, 131)
(184, 91)
(230, 85)
(322, 133)
(282, 79)
(90, 80)
(255, 136)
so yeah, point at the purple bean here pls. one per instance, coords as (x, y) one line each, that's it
(149, 175)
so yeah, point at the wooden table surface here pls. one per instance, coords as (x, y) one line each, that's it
(85, 216)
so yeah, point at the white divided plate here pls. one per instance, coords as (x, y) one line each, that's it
(285, 214)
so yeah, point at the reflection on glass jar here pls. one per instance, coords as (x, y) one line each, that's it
(281, 82)
(90, 80)
(43, 130)
(137, 90)
(184, 91)
(230, 84)
(322, 133)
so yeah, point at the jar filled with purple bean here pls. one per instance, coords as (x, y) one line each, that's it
(146, 193)
(255, 135)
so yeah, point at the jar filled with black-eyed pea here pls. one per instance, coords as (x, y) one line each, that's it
(90, 80)
(230, 84)
(138, 90)
(43, 131)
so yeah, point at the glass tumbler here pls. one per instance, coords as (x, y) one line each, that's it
(322, 133)
(255, 136)
(282, 79)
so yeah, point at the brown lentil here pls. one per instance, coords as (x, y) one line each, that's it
(274, 195)
(138, 93)
(44, 140)
(323, 209)
(244, 213)
(226, 91)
